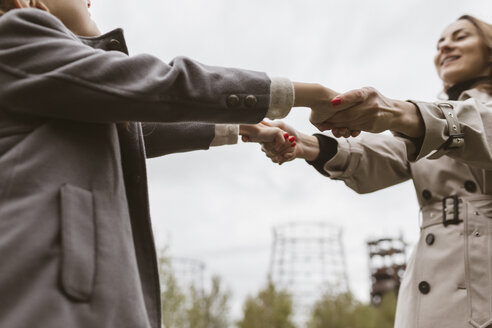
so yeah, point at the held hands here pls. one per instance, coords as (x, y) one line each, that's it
(307, 146)
(323, 103)
(280, 142)
(277, 138)
(368, 110)
(345, 114)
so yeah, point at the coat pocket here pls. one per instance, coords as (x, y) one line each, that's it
(78, 247)
(478, 267)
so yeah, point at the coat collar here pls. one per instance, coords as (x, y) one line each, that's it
(112, 40)
(481, 96)
(456, 90)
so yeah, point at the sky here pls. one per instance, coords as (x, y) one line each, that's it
(219, 206)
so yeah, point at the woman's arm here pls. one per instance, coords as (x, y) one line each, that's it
(459, 129)
(365, 164)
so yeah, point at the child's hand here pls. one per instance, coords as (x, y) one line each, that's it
(305, 146)
(286, 153)
(264, 133)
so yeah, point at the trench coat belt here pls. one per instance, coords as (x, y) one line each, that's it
(432, 214)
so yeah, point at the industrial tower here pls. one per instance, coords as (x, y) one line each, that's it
(307, 260)
(387, 263)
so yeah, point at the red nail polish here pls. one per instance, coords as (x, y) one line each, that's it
(336, 101)
(293, 144)
(286, 136)
(292, 139)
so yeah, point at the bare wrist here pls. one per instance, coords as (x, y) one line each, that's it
(247, 129)
(308, 94)
(408, 120)
(308, 147)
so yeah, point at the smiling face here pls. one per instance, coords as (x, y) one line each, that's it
(75, 15)
(461, 54)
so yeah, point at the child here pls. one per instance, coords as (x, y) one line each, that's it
(75, 235)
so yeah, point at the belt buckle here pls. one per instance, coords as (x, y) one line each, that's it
(456, 215)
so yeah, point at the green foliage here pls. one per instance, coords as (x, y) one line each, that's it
(173, 300)
(344, 311)
(193, 307)
(209, 310)
(269, 309)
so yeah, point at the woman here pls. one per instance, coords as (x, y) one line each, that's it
(76, 242)
(446, 149)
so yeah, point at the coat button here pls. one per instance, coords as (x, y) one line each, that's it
(233, 101)
(114, 44)
(470, 186)
(250, 101)
(424, 287)
(426, 194)
(429, 239)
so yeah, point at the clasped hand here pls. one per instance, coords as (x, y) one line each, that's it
(346, 115)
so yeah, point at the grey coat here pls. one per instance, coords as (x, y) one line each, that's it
(76, 243)
(448, 281)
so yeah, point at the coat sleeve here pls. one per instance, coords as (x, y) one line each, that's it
(369, 163)
(167, 138)
(45, 70)
(458, 129)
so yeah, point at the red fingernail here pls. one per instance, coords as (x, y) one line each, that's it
(336, 101)
(286, 136)
(293, 144)
(292, 139)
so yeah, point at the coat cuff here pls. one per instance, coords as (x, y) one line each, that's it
(225, 134)
(345, 161)
(327, 150)
(442, 131)
(281, 98)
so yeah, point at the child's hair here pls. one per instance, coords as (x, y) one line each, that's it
(6, 5)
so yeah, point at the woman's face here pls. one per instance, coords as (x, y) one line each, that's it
(75, 15)
(461, 54)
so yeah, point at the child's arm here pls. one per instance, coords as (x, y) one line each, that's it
(167, 138)
(45, 70)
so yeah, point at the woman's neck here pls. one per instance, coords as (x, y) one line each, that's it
(456, 90)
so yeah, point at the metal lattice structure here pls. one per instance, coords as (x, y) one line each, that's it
(307, 260)
(387, 263)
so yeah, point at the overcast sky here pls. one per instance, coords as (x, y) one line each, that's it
(220, 205)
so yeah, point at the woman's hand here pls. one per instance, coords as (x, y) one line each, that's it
(306, 146)
(320, 100)
(367, 110)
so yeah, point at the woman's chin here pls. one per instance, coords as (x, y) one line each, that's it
(452, 77)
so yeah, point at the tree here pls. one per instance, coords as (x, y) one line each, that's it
(344, 311)
(209, 309)
(173, 300)
(191, 306)
(269, 309)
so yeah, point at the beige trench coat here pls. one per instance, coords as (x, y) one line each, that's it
(448, 282)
